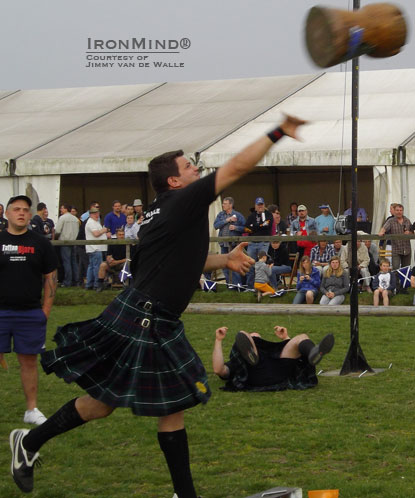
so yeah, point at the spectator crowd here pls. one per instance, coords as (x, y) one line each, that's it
(87, 266)
(323, 268)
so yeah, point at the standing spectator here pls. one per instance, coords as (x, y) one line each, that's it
(335, 284)
(384, 284)
(85, 215)
(94, 231)
(230, 223)
(27, 263)
(115, 219)
(401, 249)
(67, 228)
(308, 282)
(361, 213)
(279, 254)
(131, 228)
(41, 224)
(138, 208)
(129, 210)
(325, 221)
(257, 224)
(278, 226)
(303, 225)
(293, 214)
(320, 256)
(74, 212)
(3, 221)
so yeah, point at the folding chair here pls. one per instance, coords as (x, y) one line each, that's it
(293, 273)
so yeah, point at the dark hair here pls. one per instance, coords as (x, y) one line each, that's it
(272, 208)
(293, 204)
(66, 206)
(92, 203)
(115, 202)
(41, 206)
(261, 254)
(162, 167)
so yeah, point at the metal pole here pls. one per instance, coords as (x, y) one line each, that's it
(355, 360)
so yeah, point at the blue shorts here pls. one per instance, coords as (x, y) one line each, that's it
(26, 327)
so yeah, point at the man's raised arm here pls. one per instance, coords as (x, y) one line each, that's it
(246, 160)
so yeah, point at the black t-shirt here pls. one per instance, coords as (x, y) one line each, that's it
(44, 227)
(3, 223)
(174, 240)
(117, 252)
(23, 260)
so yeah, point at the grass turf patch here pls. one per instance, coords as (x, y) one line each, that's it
(347, 433)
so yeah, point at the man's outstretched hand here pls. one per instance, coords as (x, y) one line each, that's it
(290, 125)
(238, 260)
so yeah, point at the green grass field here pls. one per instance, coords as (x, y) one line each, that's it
(347, 433)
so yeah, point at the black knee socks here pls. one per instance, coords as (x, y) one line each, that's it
(176, 451)
(65, 419)
(305, 347)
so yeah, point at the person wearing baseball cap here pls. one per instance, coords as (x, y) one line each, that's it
(27, 265)
(258, 223)
(325, 221)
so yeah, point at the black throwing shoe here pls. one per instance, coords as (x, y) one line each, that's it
(246, 346)
(22, 461)
(324, 347)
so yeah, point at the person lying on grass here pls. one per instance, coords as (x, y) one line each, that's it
(259, 365)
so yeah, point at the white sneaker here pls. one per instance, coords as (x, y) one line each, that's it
(34, 416)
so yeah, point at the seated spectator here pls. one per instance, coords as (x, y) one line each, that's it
(384, 284)
(131, 228)
(278, 226)
(259, 365)
(325, 221)
(362, 263)
(3, 221)
(308, 282)
(116, 257)
(320, 256)
(373, 251)
(335, 284)
(338, 248)
(304, 246)
(279, 255)
(263, 273)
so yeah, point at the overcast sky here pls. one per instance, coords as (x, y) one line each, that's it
(44, 44)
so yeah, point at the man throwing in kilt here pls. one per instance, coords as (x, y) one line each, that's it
(135, 354)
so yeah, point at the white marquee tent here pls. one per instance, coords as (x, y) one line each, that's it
(45, 134)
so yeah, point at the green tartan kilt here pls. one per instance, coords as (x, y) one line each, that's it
(132, 357)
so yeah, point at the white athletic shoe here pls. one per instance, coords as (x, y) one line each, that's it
(34, 416)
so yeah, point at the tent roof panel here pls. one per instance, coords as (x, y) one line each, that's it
(55, 112)
(387, 105)
(176, 115)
